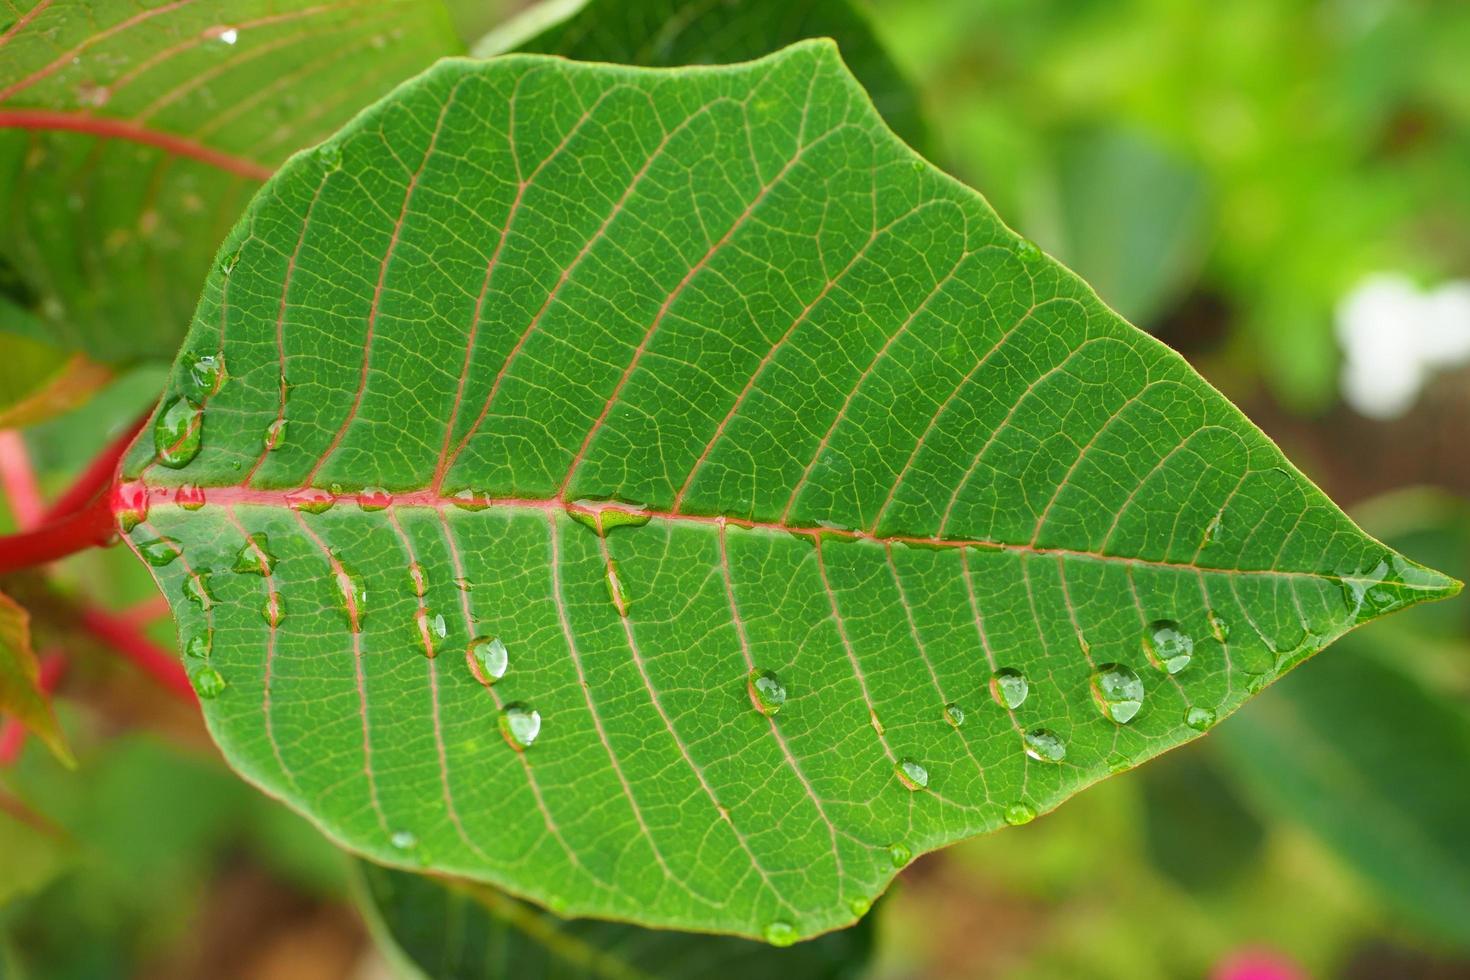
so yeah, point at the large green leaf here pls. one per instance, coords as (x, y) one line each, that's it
(669, 33)
(833, 420)
(441, 929)
(132, 135)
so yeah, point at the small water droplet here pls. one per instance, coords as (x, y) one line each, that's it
(254, 556)
(189, 496)
(199, 645)
(312, 500)
(374, 499)
(354, 595)
(1169, 648)
(1044, 745)
(767, 693)
(1212, 530)
(205, 374)
(954, 714)
(1019, 813)
(615, 589)
(1009, 687)
(859, 907)
(196, 589)
(899, 855)
(1118, 692)
(274, 609)
(330, 154)
(1218, 626)
(876, 722)
(463, 584)
(1256, 683)
(275, 435)
(780, 933)
(488, 659)
(520, 724)
(912, 775)
(228, 263)
(1200, 719)
(208, 682)
(470, 500)
(419, 579)
(1027, 251)
(403, 840)
(1119, 763)
(176, 434)
(432, 630)
(131, 504)
(159, 551)
(92, 94)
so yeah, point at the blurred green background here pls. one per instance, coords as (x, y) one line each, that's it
(1238, 177)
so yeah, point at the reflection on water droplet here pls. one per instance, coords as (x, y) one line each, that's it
(1219, 627)
(254, 556)
(780, 933)
(199, 645)
(1044, 745)
(488, 659)
(205, 374)
(159, 551)
(131, 504)
(1118, 692)
(403, 840)
(1199, 719)
(859, 906)
(1009, 687)
(374, 499)
(767, 693)
(189, 496)
(208, 682)
(312, 500)
(470, 500)
(954, 714)
(275, 435)
(274, 609)
(911, 774)
(1169, 648)
(899, 855)
(1019, 813)
(176, 434)
(520, 724)
(196, 589)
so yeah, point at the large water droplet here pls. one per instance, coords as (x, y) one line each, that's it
(312, 500)
(899, 855)
(205, 375)
(954, 714)
(520, 724)
(1044, 745)
(159, 551)
(488, 659)
(1169, 648)
(470, 500)
(254, 556)
(1200, 719)
(767, 693)
(1009, 687)
(176, 434)
(131, 504)
(1118, 692)
(198, 646)
(1019, 813)
(912, 775)
(374, 499)
(197, 591)
(189, 496)
(208, 682)
(780, 933)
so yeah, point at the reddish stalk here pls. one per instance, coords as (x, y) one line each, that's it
(99, 474)
(12, 732)
(125, 637)
(19, 480)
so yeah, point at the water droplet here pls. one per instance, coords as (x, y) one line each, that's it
(229, 35)
(954, 714)
(1044, 745)
(374, 499)
(1200, 719)
(1019, 813)
(603, 519)
(159, 551)
(275, 435)
(274, 609)
(176, 434)
(1119, 763)
(199, 645)
(780, 933)
(403, 840)
(419, 580)
(93, 94)
(330, 154)
(131, 504)
(228, 263)
(1027, 251)
(1009, 687)
(205, 374)
(189, 496)
(354, 595)
(488, 659)
(1212, 530)
(1169, 648)
(876, 722)
(859, 906)
(254, 556)
(900, 855)
(470, 500)
(767, 693)
(312, 500)
(1256, 683)
(1118, 692)
(196, 589)
(520, 724)
(208, 682)
(615, 589)
(432, 630)
(1218, 626)
(912, 775)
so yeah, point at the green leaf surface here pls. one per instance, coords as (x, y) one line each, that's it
(670, 33)
(132, 135)
(664, 379)
(444, 928)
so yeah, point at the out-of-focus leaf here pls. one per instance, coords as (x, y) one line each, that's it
(444, 928)
(132, 135)
(1197, 830)
(38, 381)
(666, 33)
(20, 691)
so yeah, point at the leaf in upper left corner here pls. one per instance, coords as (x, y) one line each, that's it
(20, 690)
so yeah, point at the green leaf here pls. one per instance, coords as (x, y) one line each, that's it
(868, 440)
(447, 928)
(20, 688)
(131, 137)
(669, 33)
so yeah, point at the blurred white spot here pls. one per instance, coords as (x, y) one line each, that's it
(1394, 335)
(229, 35)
